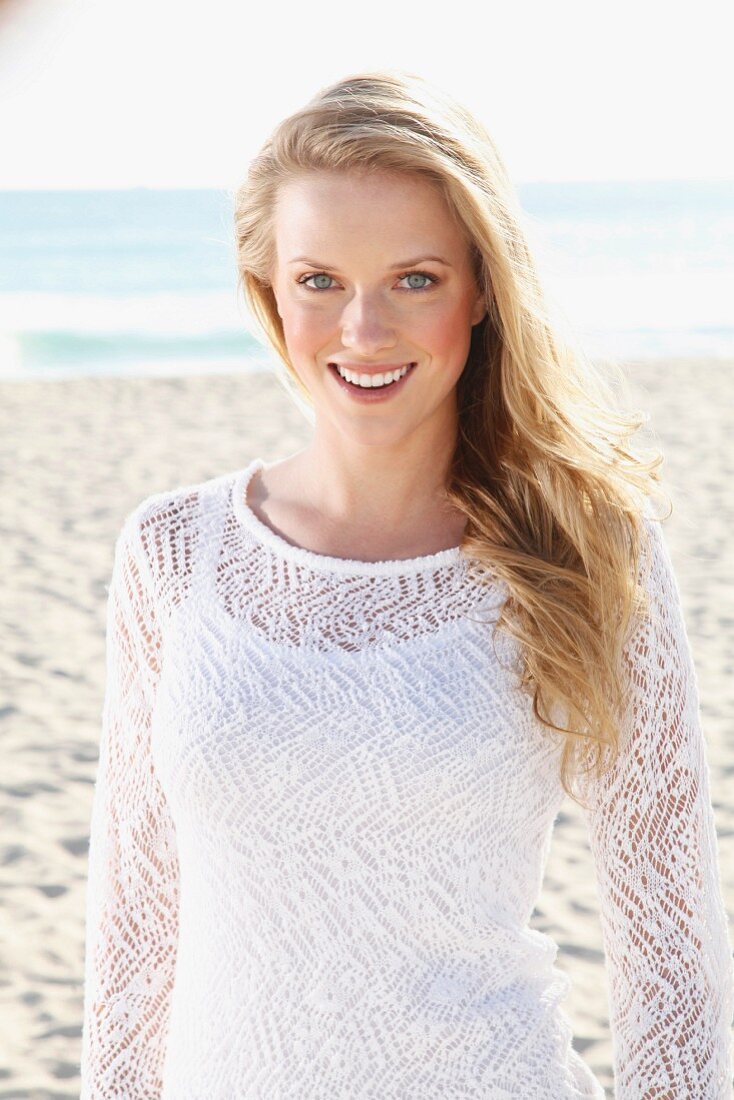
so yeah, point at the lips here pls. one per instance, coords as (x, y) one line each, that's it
(370, 394)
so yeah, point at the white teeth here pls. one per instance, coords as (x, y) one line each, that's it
(370, 381)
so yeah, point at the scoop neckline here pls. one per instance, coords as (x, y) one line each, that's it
(325, 562)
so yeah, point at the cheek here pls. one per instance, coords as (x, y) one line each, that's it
(445, 332)
(305, 329)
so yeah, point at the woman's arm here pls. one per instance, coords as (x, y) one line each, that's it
(665, 929)
(133, 883)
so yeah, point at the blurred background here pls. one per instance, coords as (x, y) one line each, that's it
(128, 365)
(126, 128)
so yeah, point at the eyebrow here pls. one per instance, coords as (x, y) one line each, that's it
(394, 267)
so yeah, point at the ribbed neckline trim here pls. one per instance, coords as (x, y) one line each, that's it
(323, 562)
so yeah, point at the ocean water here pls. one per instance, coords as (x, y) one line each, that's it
(143, 281)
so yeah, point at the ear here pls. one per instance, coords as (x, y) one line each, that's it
(275, 299)
(479, 311)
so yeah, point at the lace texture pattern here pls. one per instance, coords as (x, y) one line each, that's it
(321, 819)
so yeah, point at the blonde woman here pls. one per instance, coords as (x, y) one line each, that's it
(349, 690)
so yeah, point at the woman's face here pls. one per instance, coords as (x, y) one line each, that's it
(373, 272)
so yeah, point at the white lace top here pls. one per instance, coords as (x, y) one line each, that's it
(320, 825)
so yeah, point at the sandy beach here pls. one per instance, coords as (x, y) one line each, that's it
(76, 456)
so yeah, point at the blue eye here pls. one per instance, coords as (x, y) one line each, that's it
(319, 275)
(419, 275)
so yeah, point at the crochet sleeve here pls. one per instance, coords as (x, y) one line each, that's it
(655, 852)
(132, 886)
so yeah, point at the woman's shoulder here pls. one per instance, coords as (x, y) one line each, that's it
(166, 528)
(179, 505)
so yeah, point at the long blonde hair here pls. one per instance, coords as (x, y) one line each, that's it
(553, 494)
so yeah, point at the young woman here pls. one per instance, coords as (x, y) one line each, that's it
(348, 691)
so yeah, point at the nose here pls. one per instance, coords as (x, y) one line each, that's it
(366, 326)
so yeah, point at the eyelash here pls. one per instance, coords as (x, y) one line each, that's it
(415, 290)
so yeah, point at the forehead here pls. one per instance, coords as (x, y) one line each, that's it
(357, 205)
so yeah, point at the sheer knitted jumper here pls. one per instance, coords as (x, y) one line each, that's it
(320, 825)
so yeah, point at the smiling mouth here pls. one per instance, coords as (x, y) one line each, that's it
(370, 388)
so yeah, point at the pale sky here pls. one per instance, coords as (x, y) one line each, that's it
(171, 93)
